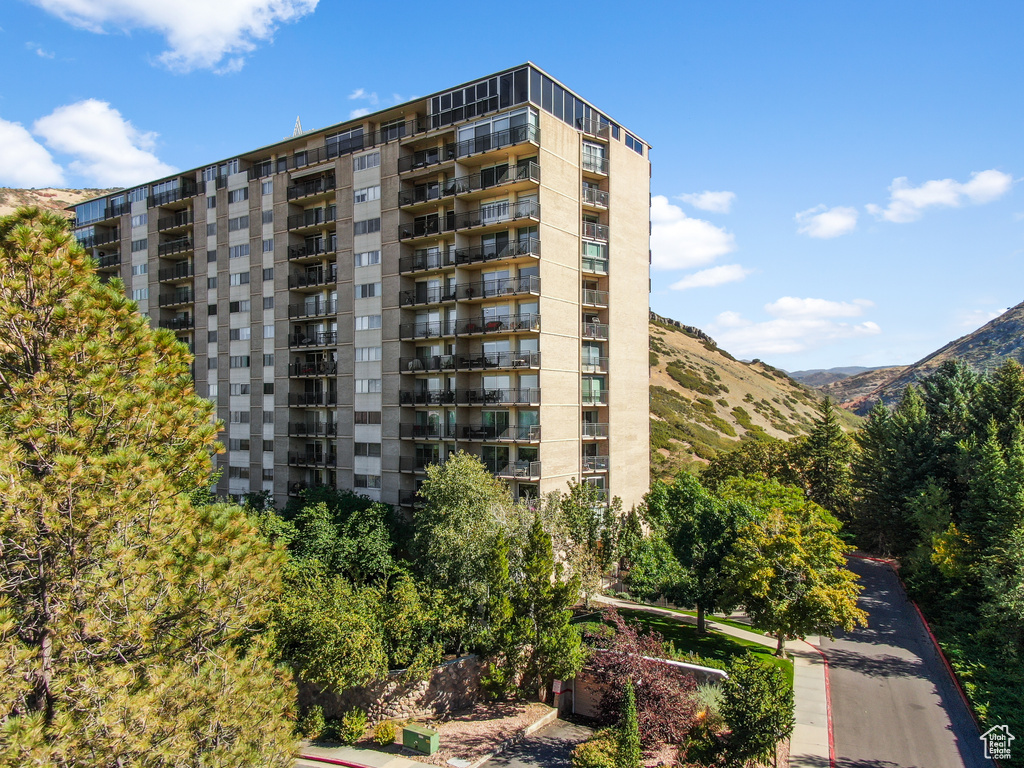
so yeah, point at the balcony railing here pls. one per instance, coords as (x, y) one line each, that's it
(97, 238)
(313, 339)
(427, 363)
(591, 429)
(182, 219)
(517, 470)
(593, 231)
(426, 329)
(296, 487)
(524, 396)
(306, 399)
(594, 364)
(312, 428)
(108, 260)
(313, 308)
(497, 213)
(427, 431)
(495, 432)
(425, 158)
(480, 360)
(595, 164)
(311, 187)
(319, 368)
(313, 277)
(312, 459)
(595, 197)
(427, 226)
(429, 397)
(505, 286)
(171, 247)
(183, 296)
(184, 190)
(438, 190)
(424, 294)
(320, 247)
(179, 271)
(595, 331)
(596, 398)
(598, 266)
(432, 258)
(417, 463)
(527, 246)
(595, 463)
(409, 499)
(498, 324)
(498, 140)
(180, 323)
(594, 127)
(312, 217)
(594, 298)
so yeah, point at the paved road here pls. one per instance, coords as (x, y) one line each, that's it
(893, 703)
(550, 747)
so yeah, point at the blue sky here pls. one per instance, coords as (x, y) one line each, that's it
(861, 158)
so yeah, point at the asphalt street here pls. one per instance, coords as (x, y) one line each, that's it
(550, 747)
(893, 704)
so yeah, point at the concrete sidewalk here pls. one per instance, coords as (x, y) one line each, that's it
(809, 745)
(353, 757)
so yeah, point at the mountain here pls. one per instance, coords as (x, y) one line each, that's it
(819, 377)
(52, 199)
(703, 400)
(859, 385)
(985, 349)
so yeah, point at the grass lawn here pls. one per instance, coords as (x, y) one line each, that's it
(712, 645)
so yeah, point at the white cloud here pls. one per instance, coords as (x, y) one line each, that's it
(108, 150)
(796, 325)
(972, 319)
(361, 94)
(24, 162)
(39, 50)
(201, 34)
(716, 202)
(709, 278)
(681, 242)
(358, 113)
(824, 222)
(906, 203)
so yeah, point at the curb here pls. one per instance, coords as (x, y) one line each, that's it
(828, 709)
(329, 761)
(511, 741)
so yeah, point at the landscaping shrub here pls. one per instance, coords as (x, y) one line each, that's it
(599, 751)
(384, 732)
(312, 723)
(353, 726)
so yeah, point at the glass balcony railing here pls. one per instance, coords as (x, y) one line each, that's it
(499, 396)
(595, 463)
(312, 428)
(314, 308)
(313, 339)
(594, 430)
(306, 399)
(595, 197)
(596, 164)
(594, 231)
(498, 140)
(594, 298)
(498, 324)
(438, 190)
(318, 368)
(595, 331)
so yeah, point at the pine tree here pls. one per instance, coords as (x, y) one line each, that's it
(628, 754)
(827, 454)
(126, 613)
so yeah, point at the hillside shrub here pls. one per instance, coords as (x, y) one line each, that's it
(312, 723)
(353, 726)
(599, 751)
(384, 732)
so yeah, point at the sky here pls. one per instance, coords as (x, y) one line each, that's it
(834, 184)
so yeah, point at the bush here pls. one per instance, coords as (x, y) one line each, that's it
(312, 723)
(353, 726)
(709, 698)
(384, 732)
(599, 751)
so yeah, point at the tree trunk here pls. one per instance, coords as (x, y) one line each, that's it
(702, 624)
(780, 650)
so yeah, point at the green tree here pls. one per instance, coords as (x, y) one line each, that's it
(503, 633)
(126, 613)
(757, 705)
(827, 454)
(628, 754)
(769, 458)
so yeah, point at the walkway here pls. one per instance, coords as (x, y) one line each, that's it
(809, 746)
(550, 747)
(353, 757)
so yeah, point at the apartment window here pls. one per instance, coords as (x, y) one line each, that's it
(268, 446)
(367, 354)
(238, 473)
(211, 309)
(361, 163)
(366, 417)
(268, 331)
(635, 144)
(366, 194)
(239, 361)
(366, 226)
(238, 251)
(211, 337)
(138, 194)
(211, 282)
(140, 245)
(367, 258)
(140, 220)
(367, 290)
(239, 389)
(211, 363)
(239, 278)
(211, 229)
(239, 306)
(367, 386)
(140, 293)
(367, 322)
(268, 417)
(238, 444)
(392, 129)
(211, 391)
(268, 359)
(268, 388)
(366, 481)
(239, 334)
(211, 201)
(367, 449)
(268, 474)
(140, 269)
(268, 217)
(267, 187)
(238, 223)
(268, 245)
(211, 256)
(268, 274)
(268, 302)
(238, 195)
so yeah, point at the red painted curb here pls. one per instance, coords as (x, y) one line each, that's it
(828, 710)
(331, 761)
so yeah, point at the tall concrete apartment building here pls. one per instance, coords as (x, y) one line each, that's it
(466, 271)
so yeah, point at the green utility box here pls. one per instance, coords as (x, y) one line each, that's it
(423, 740)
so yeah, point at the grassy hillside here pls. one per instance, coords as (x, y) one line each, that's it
(703, 401)
(52, 199)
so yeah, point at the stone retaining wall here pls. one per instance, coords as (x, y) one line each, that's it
(451, 687)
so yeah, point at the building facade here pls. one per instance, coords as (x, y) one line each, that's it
(466, 271)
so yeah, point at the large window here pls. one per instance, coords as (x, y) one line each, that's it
(363, 162)
(366, 194)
